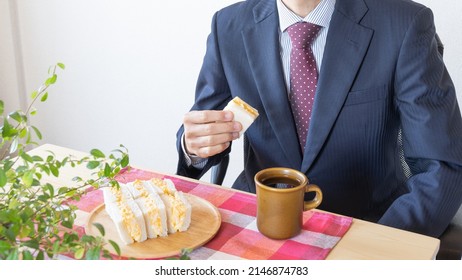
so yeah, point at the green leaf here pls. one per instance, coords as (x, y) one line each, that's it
(185, 254)
(97, 153)
(93, 253)
(63, 190)
(2, 107)
(13, 231)
(3, 178)
(67, 224)
(26, 255)
(55, 247)
(33, 111)
(92, 164)
(37, 132)
(13, 255)
(28, 178)
(4, 245)
(51, 80)
(77, 179)
(79, 253)
(87, 239)
(17, 116)
(115, 246)
(107, 170)
(34, 244)
(54, 170)
(74, 195)
(44, 97)
(8, 131)
(115, 184)
(51, 191)
(34, 94)
(45, 169)
(23, 133)
(27, 157)
(125, 161)
(7, 164)
(14, 203)
(100, 228)
(70, 237)
(61, 65)
(40, 255)
(37, 158)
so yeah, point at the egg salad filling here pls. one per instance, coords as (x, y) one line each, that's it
(245, 106)
(178, 212)
(163, 186)
(153, 214)
(128, 218)
(177, 208)
(154, 218)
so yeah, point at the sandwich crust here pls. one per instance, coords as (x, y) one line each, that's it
(243, 113)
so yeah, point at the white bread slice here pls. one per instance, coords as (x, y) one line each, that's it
(116, 217)
(177, 205)
(126, 214)
(243, 113)
(152, 206)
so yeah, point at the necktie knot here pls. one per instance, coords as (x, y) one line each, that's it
(302, 34)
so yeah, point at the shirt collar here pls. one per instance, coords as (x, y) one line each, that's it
(321, 15)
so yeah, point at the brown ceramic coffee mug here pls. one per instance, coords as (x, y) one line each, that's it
(280, 201)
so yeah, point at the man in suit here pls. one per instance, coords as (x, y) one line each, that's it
(382, 84)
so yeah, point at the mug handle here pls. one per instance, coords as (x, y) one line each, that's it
(316, 200)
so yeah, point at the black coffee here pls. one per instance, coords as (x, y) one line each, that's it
(281, 183)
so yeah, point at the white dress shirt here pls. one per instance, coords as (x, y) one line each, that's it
(321, 16)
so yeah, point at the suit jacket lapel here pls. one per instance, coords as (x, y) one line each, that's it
(346, 46)
(262, 46)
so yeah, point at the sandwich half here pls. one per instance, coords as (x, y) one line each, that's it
(152, 206)
(126, 214)
(177, 205)
(243, 113)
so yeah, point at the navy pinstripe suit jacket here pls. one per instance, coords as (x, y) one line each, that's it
(381, 74)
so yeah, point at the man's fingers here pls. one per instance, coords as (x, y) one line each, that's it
(206, 146)
(208, 116)
(208, 151)
(207, 129)
(207, 133)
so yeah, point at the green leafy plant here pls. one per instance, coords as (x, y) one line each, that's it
(184, 255)
(36, 217)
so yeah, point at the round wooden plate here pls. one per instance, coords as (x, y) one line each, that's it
(205, 223)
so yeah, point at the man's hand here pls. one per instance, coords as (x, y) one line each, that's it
(207, 133)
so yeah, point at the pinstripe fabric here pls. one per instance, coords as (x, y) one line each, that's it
(321, 16)
(381, 73)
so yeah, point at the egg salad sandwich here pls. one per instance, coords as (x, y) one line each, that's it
(126, 214)
(243, 113)
(152, 206)
(177, 205)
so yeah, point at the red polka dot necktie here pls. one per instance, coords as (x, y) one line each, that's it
(303, 75)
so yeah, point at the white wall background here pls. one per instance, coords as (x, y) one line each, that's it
(131, 68)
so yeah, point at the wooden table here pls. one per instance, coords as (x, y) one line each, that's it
(364, 240)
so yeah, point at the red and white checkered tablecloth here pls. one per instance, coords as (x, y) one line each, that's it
(238, 237)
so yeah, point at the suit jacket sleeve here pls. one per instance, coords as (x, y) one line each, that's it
(212, 93)
(432, 133)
